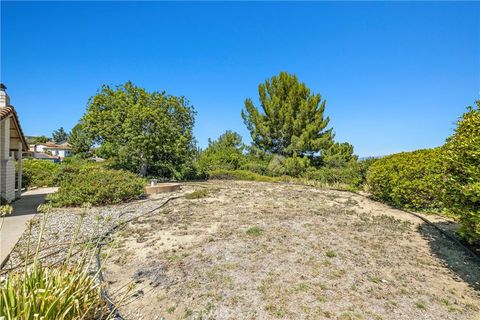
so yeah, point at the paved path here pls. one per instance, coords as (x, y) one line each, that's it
(15, 224)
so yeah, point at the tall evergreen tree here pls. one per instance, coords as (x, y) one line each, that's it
(291, 118)
(59, 135)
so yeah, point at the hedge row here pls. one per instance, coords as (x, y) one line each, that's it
(410, 180)
(462, 168)
(445, 178)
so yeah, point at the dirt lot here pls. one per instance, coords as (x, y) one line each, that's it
(244, 250)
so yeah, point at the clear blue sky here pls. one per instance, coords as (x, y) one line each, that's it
(395, 75)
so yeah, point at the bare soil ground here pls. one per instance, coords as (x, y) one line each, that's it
(248, 250)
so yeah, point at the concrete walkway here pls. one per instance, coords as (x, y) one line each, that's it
(15, 224)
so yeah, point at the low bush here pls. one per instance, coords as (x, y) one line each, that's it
(347, 177)
(411, 180)
(38, 173)
(97, 186)
(462, 170)
(197, 194)
(240, 175)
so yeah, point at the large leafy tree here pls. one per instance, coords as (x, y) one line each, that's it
(147, 132)
(80, 142)
(59, 135)
(290, 119)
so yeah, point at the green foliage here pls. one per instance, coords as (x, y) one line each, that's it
(38, 140)
(197, 194)
(224, 153)
(338, 155)
(38, 173)
(5, 210)
(80, 142)
(148, 133)
(411, 180)
(59, 135)
(222, 174)
(347, 177)
(254, 231)
(363, 166)
(293, 166)
(97, 186)
(291, 120)
(51, 293)
(256, 160)
(462, 162)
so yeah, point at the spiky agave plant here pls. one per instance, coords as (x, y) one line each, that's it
(63, 291)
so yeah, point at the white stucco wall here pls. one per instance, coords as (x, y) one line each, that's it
(10, 180)
(7, 163)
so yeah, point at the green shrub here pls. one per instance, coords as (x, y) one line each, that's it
(38, 173)
(348, 176)
(240, 175)
(97, 186)
(412, 180)
(296, 166)
(224, 153)
(363, 166)
(462, 168)
(276, 166)
(197, 194)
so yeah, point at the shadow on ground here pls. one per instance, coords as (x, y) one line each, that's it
(27, 204)
(452, 254)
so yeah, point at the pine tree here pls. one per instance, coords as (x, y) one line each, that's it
(59, 135)
(291, 120)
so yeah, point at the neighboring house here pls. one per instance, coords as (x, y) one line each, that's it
(12, 145)
(60, 150)
(44, 156)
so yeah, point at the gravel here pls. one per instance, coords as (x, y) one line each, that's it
(62, 224)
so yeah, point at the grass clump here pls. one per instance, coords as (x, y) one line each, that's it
(197, 194)
(63, 291)
(420, 304)
(330, 253)
(254, 231)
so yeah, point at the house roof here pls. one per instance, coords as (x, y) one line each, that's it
(41, 155)
(15, 128)
(63, 146)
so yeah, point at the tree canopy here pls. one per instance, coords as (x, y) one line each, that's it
(224, 153)
(290, 119)
(59, 135)
(146, 132)
(80, 141)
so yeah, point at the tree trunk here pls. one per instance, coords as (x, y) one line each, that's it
(143, 166)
